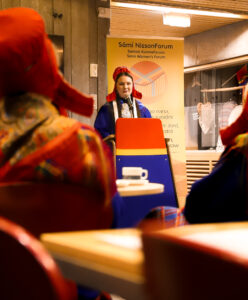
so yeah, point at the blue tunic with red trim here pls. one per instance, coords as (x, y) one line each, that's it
(105, 121)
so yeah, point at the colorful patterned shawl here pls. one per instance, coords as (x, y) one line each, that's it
(37, 144)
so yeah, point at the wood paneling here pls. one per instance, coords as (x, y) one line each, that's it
(93, 44)
(80, 44)
(127, 21)
(234, 6)
(103, 26)
(9, 3)
(63, 26)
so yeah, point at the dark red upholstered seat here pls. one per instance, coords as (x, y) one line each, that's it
(27, 271)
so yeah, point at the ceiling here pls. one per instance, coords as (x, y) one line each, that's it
(129, 21)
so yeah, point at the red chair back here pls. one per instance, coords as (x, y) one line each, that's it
(27, 271)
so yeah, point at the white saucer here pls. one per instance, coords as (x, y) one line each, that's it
(122, 182)
(126, 182)
(138, 181)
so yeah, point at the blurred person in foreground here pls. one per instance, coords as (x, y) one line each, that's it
(221, 196)
(36, 142)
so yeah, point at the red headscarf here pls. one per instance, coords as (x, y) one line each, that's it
(28, 62)
(239, 126)
(119, 70)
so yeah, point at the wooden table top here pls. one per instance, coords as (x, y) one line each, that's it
(117, 251)
(230, 238)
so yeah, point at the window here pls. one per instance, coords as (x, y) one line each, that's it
(209, 98)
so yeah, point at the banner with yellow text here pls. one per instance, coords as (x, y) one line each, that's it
(157, 68)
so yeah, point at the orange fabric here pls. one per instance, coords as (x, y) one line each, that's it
(239, 126)
(242, 74)
(63, 112)
(147, 134)
(58, 150)
(28, 62)
(77, 167)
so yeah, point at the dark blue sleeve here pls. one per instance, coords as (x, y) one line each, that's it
(220, 196)
(144, 112)
(119, 209)
(104, 121)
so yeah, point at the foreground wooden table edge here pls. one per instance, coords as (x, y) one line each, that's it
(90, 265)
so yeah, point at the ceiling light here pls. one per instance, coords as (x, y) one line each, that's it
(178, 20)
(165, 9)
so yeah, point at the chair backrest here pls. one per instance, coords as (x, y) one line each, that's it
(51, 207)
(181, 269)
(27, 271)
(140, 143)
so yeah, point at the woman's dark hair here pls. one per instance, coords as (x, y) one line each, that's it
(123, 74)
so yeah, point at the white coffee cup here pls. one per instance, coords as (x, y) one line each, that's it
(134, 173)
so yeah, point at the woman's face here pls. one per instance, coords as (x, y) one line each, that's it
(124, 86)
